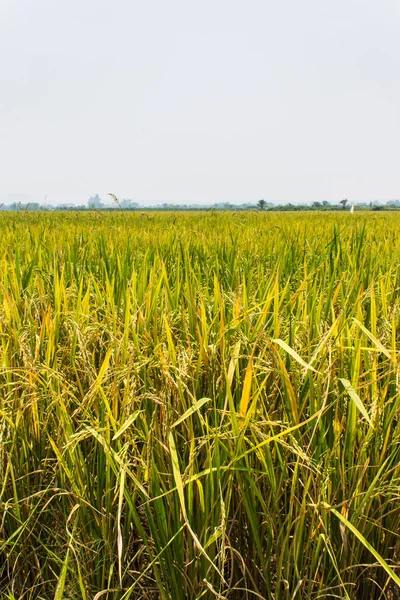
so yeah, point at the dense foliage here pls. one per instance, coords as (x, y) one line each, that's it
(199, 405)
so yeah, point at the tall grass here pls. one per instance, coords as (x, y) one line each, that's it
(199, 406)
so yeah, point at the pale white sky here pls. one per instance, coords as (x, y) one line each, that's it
(206, 101)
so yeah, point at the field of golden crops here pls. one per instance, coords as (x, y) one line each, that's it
(200, 405)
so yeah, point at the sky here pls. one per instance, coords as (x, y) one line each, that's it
(200, 102)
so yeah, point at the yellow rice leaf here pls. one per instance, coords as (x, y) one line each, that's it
(244, 402)
(374, 340)
(356, 398)
(103, 368)
(177, 473)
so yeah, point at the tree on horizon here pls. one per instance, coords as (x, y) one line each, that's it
(261, 204)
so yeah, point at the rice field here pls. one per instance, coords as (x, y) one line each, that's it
(199, 405)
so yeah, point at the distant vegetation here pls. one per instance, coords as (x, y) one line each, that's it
(96, 203)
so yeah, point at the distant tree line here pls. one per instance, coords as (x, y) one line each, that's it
(96, 203)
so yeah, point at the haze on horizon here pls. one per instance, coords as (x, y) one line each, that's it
(218, 101)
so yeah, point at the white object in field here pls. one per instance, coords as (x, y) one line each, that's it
(352, 209)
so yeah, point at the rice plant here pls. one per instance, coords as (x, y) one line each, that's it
(200, 405)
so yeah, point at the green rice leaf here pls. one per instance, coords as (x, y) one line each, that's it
(194, 408)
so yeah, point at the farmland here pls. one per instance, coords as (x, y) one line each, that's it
(200, 405)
